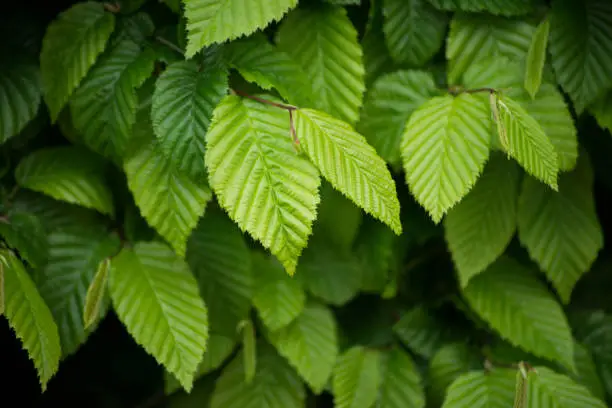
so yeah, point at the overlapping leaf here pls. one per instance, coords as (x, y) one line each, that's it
(377, 248)
(421, 331)
(547, 389)
(69, 174)
(536, 57)
(324, 43)
(338, 218)
(586, 371)
(444, 150)
(70, 48)
(266, 188)
(25, 233)
(376, 57)
(414, 30)
(522, 310)
(480, 227)
(357, 378)
(96, 295)
(480, 389)
(30, 318)
(401, 382)
(561, 230)
(216, 21)
(19, 97)
(157, 298)
(501, 7)
(388, 106)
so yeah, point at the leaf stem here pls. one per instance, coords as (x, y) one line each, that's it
(289, 108)
(455, 90)
(170, 45)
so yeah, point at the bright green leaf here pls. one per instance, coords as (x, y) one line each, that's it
(25, 233)
(249, 349)
(157, 298)
(357, 378)
(447, 364)
(401, 382)
(324, 43)
(96, 293)
(547, 389)
(480, 389)
(216, 21)
(69, 174)
(266, 188)
(19, 96)
(536, 57)
(522, 310)
(504, 8)
(70, 48)
(444, 149)
(30, 318)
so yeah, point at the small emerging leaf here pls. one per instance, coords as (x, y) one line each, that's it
(536, 57)
(249, 350)
(95, 294)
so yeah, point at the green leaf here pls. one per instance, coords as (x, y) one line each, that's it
(25, 233)
(310, 344)
(30, 318)
(74, 257)
(545, 388)
(265, 187)
(480, 389)
(520, 308)
(581, 48)
(275, 385)
(357, 378)
(69, 174)
(349, 164)
(70, 48)
(104, 107)
(536, 57)
(95, 295)
(323, 41)
(444, 149)
(526, 142)
(586, 371)
(421, 331)
(376, 248)
(474, 37)
(269, 67)
(157, 298)
(216, 21)
(447, 364)
(388, 105)
(401, 382)
(414, 30)
(249, 349)
(504, 8)
(221, 262)
(278, 298)
(376, 57)
(481, 226)
(20, 95)
(601, 109)
(183, 103)
(561, 230)
(169, 200)
(338, 218)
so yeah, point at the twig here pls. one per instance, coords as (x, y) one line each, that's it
(458, 90)
(170, 45)
(265, 101)
(113, 8)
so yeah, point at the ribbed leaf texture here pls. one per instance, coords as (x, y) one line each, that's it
(420, 331)
(70, 48)
(74, 256)
(586, 371)
(388, 106)
(525, 141)
(547, 389)
(350, 164)
(104, 107)
(275, 385)
(561, 230)
(25, 233)
(216, 21)
(183, 103)
(401, 382)
(157, 298)
(266, 188)
(69, 174)
(480, 227)
(581, 48)
(324, 43)
(479, 389)
(376, 57)
(444, 149)
(30, 318)
(473, 37)
(357, 378)
(536, 57)
(520, 308)
(310, 344)
(96, 295)
(19, 96)
(269, 67)
(170, 201)
(221, 262)
(278, 298)
(414, 30)
(500, 7)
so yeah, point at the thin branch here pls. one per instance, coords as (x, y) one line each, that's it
(170, 45)
(265, 101)
(455, 90)
(112, 7)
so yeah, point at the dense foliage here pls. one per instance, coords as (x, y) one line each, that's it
(338, 203)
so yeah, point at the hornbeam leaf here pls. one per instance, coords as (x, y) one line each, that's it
(216, 21)
(30, 318)
(444, 149)
(70, 48)
(95, 294)
(536, 57)
(157, 298)
(401, 382)
(522, 310)
(69, 174)
(545, 388)
(561, 230)
(504, 8)
(357, 377)
(25, 233)
(266, 188)
(479, 389)
(349, 163)
(19, 96)
(323, 41)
